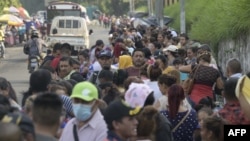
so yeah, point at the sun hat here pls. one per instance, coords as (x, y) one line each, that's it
(137, 94)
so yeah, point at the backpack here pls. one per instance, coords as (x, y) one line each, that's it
(33, 49)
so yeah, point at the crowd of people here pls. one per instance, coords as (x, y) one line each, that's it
(130, 89)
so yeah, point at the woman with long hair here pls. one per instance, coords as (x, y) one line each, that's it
(184, 120)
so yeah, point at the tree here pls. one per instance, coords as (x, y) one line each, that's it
(8, 3)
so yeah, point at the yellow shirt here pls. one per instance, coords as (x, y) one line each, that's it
(168, 69)
(1, 35)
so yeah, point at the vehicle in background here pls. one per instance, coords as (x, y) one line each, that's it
(69, 29)
(63, 8)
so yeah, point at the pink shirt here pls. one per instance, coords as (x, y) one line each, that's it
(94, 130)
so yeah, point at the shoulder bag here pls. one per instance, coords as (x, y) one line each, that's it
(189, 82)
(182, 120)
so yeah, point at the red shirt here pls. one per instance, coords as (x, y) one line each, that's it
(117, 50)
(233, 114)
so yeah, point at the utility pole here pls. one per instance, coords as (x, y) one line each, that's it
(159, 12)
(182, 16)
(150, 8)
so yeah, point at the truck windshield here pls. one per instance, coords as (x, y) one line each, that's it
(53, 13)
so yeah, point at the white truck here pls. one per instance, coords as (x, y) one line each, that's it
(69, 29)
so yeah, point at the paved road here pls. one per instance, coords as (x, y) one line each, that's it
(14, 66)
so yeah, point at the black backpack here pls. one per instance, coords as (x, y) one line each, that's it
(33, 49)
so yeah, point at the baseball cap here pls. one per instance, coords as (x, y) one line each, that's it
(105, 53)
(23, 121)
(137, 94)
(171, 48)
(85, 91)
(119, 109)
(99, 42)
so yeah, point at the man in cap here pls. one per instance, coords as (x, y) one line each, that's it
(121, 121)
(88, 124)
(105, 60)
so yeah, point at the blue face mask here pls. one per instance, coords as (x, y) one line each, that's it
(82, 112)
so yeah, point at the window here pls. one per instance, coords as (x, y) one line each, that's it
(61, 23)
(68, 24)
(76, 24)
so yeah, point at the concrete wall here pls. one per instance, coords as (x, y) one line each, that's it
(235, 48)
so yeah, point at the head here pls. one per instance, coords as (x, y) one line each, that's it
(85, 101)
(160, 37)
(204, 57)
(178, 62)
(105, 59)
(229, 89)
(171, 50)
(106, 80)
(10, 132)
(83, 57)
(233, 66)
(4, 87)
(57, 49)
(175, 73)
(46, 111)
(162, 61)
(203, 48)
(23, 122)
(121, 119)
(154, 71)
(205, 102)
(192, 52)
(66, 49)
(164, 82)
(65, 65)
(99, 44)
(175, 99)
(39, 80)
(183, 39)
(28, 105)
(34, 34)
(147, 123)
(138, 57)
(76, 65)
(204, 113)
(212, 129)
(51, 70)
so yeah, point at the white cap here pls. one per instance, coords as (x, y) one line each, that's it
(171, 48)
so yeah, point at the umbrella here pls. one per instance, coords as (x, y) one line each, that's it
(11, 9)
(11, 19)
(23, 13)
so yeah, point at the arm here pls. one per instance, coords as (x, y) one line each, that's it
(219, 83)
(185, 68)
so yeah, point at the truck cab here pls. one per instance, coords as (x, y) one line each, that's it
(69, 29)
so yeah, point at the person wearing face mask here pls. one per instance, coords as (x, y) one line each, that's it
(88, 124)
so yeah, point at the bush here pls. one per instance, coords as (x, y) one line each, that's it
(213, 21)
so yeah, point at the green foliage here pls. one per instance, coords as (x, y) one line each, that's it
(8, 3)
(212, 21)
